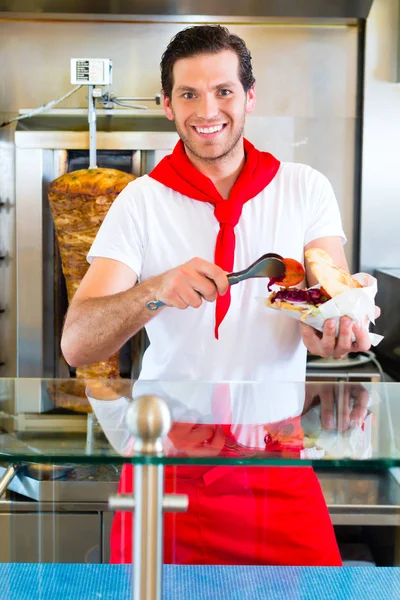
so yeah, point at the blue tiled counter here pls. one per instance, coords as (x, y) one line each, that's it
(109, 582)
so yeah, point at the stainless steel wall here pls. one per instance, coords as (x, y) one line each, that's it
(306, 84)
(380, 206)
(7, 249)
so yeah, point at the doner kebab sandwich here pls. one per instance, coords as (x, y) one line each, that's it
(332, 281)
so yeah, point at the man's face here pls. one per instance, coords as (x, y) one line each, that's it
(208, 104)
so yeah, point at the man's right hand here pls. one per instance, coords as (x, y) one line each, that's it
(109, 308)
(191, 283)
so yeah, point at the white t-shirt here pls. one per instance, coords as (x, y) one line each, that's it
(251, 406)
(151, 228)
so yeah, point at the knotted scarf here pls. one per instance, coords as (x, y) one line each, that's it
(178, 173)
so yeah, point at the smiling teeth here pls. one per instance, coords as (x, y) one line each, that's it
(209, 129)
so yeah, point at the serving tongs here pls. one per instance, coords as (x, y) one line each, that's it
(268, 265)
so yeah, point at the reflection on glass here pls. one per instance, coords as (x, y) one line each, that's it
(241, 452)
(86, 419)
(243, 515)
(248, 419)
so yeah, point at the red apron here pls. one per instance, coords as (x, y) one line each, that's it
(239, 515)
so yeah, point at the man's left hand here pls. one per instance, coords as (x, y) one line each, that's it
(326, 344)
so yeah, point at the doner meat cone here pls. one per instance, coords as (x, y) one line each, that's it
(79, 201)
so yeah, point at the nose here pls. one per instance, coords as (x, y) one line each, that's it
(207, 107)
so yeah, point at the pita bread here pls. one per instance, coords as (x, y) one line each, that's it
(332, 278)
(281, 304)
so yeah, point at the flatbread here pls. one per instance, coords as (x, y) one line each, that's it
(332, 278)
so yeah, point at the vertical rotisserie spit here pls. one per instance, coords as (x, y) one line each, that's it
(79, 202)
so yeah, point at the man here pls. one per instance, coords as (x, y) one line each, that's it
(167, 240)
(215, 205)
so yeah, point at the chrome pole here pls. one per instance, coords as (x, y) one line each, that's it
(148, 532)
(7, 477)
(92, 128)
(149, 420)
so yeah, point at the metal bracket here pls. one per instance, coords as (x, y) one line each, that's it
(8, 476)
(170, 502)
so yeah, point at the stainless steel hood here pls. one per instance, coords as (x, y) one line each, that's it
(303, 9)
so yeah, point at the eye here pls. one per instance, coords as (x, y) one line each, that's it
(225, 92)
(188, 95)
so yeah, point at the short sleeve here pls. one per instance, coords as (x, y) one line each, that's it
(323, 215)
(122, 234)
(111, 414)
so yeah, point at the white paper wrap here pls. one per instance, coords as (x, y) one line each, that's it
(356, 303)
(355, 443)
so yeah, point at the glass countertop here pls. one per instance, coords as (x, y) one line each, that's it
(334, 425)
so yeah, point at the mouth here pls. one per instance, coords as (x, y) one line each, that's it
(211, 131)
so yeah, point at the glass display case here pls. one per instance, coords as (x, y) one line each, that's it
(194, 489)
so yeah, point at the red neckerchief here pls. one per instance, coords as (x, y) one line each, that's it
(177, 172)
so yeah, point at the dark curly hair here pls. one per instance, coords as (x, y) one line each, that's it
(205, 39)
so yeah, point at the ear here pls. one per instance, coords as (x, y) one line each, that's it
(167, 107)
(251, 99)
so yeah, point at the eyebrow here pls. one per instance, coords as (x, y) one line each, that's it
(220, 86)
(226, 84)
(185, 88)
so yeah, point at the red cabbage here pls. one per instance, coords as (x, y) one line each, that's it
(311, 296)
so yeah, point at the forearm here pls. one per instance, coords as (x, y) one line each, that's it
(95, 328)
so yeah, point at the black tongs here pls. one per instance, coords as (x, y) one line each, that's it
(268, 265)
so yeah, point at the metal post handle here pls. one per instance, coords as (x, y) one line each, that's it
(149, 420)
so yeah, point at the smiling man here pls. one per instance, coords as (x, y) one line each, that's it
(209, 108)
(214, 206)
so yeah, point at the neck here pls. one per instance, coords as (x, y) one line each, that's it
(223, 171)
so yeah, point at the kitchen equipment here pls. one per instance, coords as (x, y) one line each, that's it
(351, 360)
(36, 471)
(49, 146)
(388, 324)
(355, 367)
(344, 10)
(268, 265)
(80, 483)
